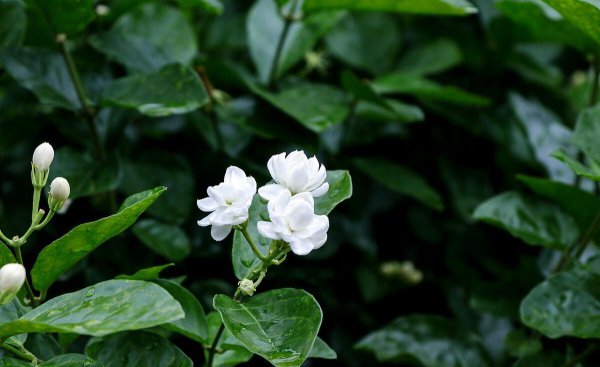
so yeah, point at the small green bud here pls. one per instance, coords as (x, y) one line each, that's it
(247, 287)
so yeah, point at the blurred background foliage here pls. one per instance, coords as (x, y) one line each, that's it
(434, 106)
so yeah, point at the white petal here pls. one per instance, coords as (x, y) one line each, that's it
(219, 233)
(299, 215)
(277, 206)
(319, 239)
(298, 179)
(250, 188)
(271, 191)
(204, 222)
(301, 247)
(305, 197)
(296, 157)
(267, 229)
(235, 176)
(207, 204)
(321, 190)
(216, 195)
(313, 166)
(277, 167)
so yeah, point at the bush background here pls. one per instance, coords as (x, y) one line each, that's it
(484, 98)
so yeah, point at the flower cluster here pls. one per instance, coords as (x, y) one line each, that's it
(297, 180)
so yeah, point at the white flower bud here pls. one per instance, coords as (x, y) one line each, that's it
(12, 277)
(247, 287)
(43, 156)
(60, 189)
(102, 10)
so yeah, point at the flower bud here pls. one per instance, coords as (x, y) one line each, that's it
(404, 271)
(102, 10)
(12, 277)
(59, 193)
(43, 156)
(247, 287)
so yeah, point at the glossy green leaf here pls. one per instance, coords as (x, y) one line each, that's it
(415, 85)
(234, 352)
(395, 111)
(134, 42)
(194, 324)
(11, 311)
(12, 362)
(432, 341)
(136, 348)
(85, 173)
(519, 345)
(210, 6)
(6, 255)
(321, 350)
(264, 25)
(151, 273)
(583, 14)
(174, 89)
(367, 41)
(432, 7)
(431, 58)
(280, 325)
(533, 221)
(67, 16)
(546, 134)
(316, 106)
(592, 172)
(544, 23)
(12, 23)
(71, 360)
(44, 73)
(68, 250)
(579, 204)
(340, 189)
(101, 309)
(167, 240)
(566, 304)
(400, 179)
(587, 132)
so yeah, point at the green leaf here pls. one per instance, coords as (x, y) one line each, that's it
(11, 311)
(265, 24)
(12, 362)
(431, 58)
(321, 350)
(340, 189)
(367, 41)
(592, 172)
(583, 14)
(151, 273)
(280, 325)
(566, 304)
(210, 6)
(395, 111)
(519, 345)
(533, 221)
(316, 106)
(431, 7)
(67, 16)
(134, 42)
(546, 134)
(543, 23)
(167, 240)
(6, 255)
(44, 73)
(415, 85)
(68, 250)
(174, 89)
(85, 173)
(400, 179)
(136, 348)
(104, 308)
(433, 341)
(71, 360)
(12, 23)
(234, 352)
(194, 324)
(587, 132)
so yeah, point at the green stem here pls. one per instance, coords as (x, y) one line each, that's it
(32, 299)
(5, 239)
(76, 80)
(46, 220)
(32, 227)
(288, 20)
(250, 241)
(24, 354)
(36, 201)
(213, 347)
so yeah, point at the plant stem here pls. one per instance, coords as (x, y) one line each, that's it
(5, 239)
(25, 355)
(32, 227)
(213, 348)
(46, 220)
(36, 201)
(288, 19)
(250, 241)
(76, 80)
(32, 299)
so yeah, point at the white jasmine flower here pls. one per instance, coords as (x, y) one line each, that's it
(229, 202)
(43, 156)
(293, 220)
(12, 277)
(60, 189)
(295, 173)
